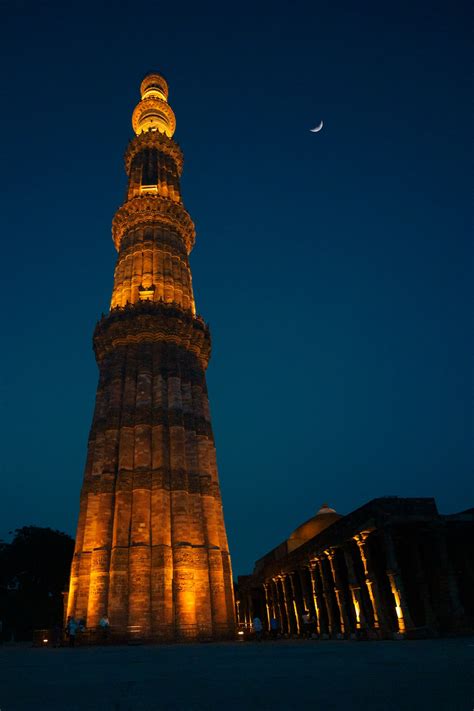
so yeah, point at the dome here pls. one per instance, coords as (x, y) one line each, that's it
(325, 509)
(312, 527)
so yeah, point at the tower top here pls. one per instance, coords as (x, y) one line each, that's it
(154, 84)
(153, 112)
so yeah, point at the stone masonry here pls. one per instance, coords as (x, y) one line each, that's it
(151, 547)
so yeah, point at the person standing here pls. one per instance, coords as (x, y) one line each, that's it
(257, 628)
(274, 627)
(71, 629)
(306, 620)
(104, 626)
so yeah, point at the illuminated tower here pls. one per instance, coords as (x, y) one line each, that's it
(151, 547)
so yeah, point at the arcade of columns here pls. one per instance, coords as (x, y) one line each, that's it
(317, 587)
(151, 548)
(356, 587)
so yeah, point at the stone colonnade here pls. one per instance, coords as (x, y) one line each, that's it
(355, 589)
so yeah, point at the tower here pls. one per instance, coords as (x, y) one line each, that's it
(151, 548)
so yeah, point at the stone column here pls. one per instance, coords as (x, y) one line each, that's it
(271, 597)
(294, 603)
(354, 587)
(303, 598)
(285, 602)
(276, 595)
(327, 587)
(339, 590)
(396, 584)
(285, 623)
(267, 604)
(308, 600)
(317, 602)
(306, 596)
(237, 611)
(370, 579)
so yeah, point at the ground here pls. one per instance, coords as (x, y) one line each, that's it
(402, 675)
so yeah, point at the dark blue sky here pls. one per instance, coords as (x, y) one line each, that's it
(335, 269)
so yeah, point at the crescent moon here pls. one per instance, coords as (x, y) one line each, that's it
(317, 128)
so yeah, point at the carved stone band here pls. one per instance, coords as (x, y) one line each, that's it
(147, 209)
(152, 322)
(158, 107)
(153, 139)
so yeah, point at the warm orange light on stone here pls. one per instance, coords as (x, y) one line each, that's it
(356, 608)
(153, 113)
(398, 607)
(360, 539)
(151, 547)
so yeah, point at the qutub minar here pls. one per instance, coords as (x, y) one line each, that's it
(151, 548)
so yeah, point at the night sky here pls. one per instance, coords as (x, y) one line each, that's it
(335, 269)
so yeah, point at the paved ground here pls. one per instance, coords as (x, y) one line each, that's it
(388, 676)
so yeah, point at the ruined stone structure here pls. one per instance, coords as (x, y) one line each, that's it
(151, 548)
(393, 568)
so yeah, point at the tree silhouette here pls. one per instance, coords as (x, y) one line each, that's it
(34, 571)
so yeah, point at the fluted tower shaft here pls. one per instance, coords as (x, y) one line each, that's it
(151, 548)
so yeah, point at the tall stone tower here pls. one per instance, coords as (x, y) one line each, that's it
(151, 547)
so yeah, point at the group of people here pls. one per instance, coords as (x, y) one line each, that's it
(308, 626)
(73, 627)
